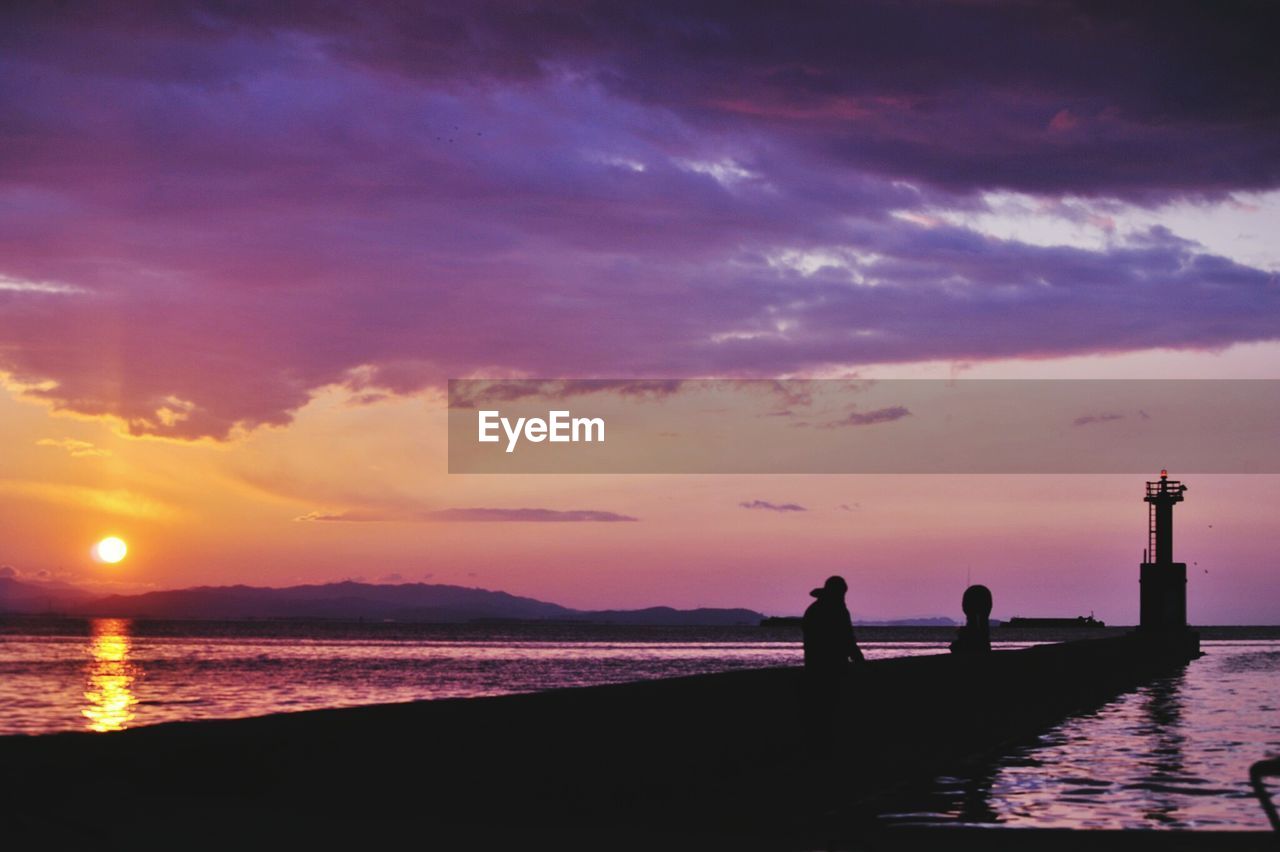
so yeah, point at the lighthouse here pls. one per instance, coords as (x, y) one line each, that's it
(1163, 582)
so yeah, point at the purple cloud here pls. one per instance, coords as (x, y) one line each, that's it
(870, 418)
(470, 395)
(772, 507)
(1074, 97)
(207, 212)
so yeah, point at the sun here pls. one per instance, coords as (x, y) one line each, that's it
(110, 550)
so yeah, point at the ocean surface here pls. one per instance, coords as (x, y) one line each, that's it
(1173, 754)
(111, 674)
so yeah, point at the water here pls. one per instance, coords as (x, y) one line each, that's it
(1172, 754)
(110, 674)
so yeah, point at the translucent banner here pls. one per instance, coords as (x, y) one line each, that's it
(863, 426)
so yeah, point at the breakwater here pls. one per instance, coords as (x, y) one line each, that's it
(749, 754)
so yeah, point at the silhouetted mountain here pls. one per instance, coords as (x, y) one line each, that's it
(929, 621)
(18, 596)
(406, 602)
(403, 602)
(665, 615)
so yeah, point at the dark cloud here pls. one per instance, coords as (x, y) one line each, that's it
(870, 418)
(480, 515)
(1106, 417)
(533, 515)
(220, 208)
(1049, 97)
(772, 507)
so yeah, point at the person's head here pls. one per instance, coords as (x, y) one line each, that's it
(976, 604)
(833, 589)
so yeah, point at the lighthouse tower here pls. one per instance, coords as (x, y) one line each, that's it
(1163, 581)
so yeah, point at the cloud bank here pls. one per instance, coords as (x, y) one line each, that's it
(208, 212)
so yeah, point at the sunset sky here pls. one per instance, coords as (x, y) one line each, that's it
(243, 248)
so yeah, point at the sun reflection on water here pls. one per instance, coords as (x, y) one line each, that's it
(109, 677)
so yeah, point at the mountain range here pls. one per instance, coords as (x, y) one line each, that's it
(421, 602)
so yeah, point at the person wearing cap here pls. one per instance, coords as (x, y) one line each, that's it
(829, 643)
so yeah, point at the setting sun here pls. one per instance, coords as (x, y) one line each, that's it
(110, 550)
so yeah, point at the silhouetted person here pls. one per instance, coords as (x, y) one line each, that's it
(975, 636)
(829, 643)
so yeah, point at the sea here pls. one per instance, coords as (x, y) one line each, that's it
(1174, 753)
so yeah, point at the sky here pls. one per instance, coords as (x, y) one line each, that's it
(243, 247)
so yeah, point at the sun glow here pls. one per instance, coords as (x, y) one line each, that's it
(110, 550)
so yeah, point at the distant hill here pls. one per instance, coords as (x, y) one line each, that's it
(405, 602)
(23, 596)
(931, 621)
(666, 616)
(421, 602)
(797, 621)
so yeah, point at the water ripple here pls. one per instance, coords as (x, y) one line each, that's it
(1173, 754)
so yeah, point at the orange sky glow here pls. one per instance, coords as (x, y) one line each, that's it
(208, 512)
